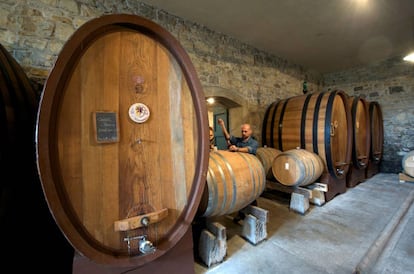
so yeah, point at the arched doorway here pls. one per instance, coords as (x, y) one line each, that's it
(220, 108)
(234, 110)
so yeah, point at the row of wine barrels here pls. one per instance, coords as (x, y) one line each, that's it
(361, 131)
(122, 141)
(297, 167)
(234, 181)
(377, 132)
(319, 122)
(24, 215)
(408, 163)
(266, 156)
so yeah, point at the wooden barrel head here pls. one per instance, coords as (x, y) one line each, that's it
(408, 163)
(361, 131)
(297, 167)
(122, 141)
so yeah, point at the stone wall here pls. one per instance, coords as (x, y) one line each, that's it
(391, 84)
(34, 31)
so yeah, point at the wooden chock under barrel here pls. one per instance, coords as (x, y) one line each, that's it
(212, 246)
(254, 225)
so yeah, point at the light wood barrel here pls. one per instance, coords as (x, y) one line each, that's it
(234, 180)
(297, 167)
(361, 131)
(266, 156)
(408, 163)
(122, 140)
(377, 132)
(319, 122)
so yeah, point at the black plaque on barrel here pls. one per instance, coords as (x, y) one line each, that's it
(106, 127)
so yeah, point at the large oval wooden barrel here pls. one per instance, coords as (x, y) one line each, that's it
(297, 167)
(234, 180)
(408, 163)
(122, 141)
(377, 132)
(318, 122)
(25, 220)
(361, 131)
(266, 155)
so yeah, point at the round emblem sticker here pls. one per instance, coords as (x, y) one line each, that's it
(139, 113)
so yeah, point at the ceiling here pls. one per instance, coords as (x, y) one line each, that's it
(321, 35)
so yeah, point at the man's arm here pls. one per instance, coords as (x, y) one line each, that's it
(223, 128)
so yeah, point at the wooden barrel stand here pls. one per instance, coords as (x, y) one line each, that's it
(355, 176)
(180, 259)
(334, 185)
(372, 169)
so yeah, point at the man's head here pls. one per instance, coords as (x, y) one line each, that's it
(211, 133)
(246, 131)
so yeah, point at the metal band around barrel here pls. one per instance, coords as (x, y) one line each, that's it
(233, 182)
(328, 118)
(212, 189)
(265, 123)
(245, 156)
(303, 121)
(272, 131)
(282, 113)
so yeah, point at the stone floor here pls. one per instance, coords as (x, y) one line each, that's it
(367, 229)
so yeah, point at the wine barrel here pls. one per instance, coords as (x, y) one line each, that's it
(297, 167)
(24, 215)
(408, 163)
(122, 141)
(318, 122)
(234, 180)
(266, 156)
(377, 132)
(361, 131)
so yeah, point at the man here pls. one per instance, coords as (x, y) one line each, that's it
(245, 143)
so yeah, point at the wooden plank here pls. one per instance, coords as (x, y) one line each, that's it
(254, 225)
(140, 221)
(318, 186)
(405, 178)
(213, 247)
(299, 203)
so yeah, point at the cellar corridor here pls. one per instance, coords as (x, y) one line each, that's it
(367, 229)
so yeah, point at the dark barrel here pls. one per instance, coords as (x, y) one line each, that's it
(122, 141)
(25, 221)
(318, 122)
